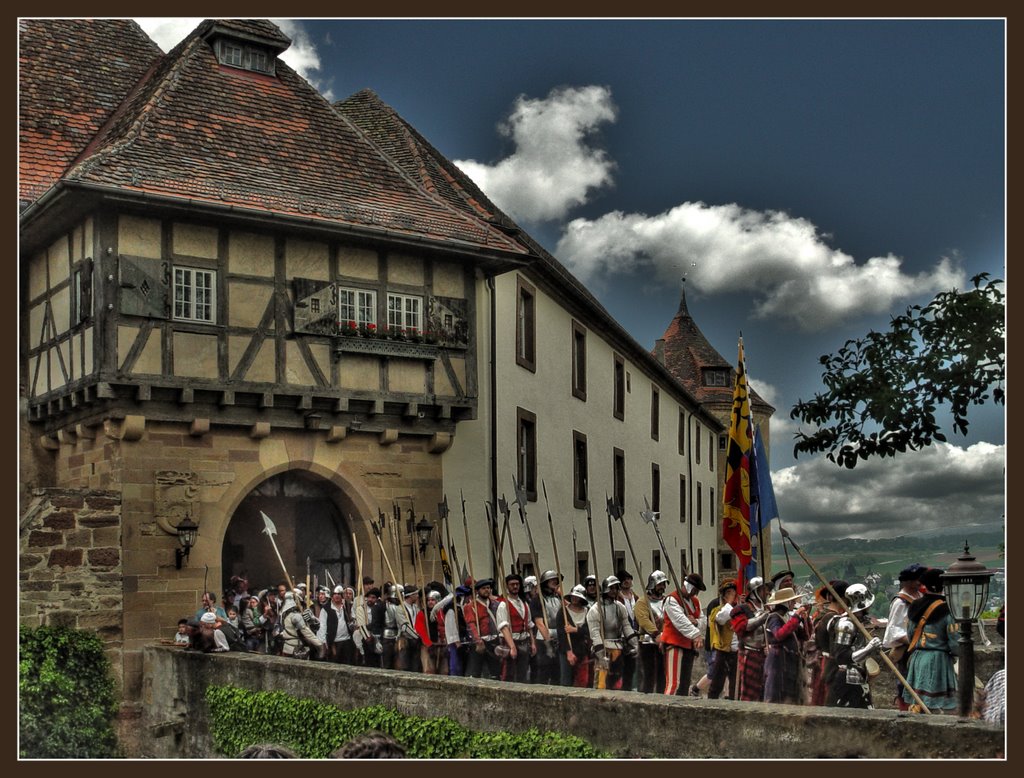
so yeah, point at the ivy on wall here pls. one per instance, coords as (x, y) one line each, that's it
(240, 718)
(66, 695)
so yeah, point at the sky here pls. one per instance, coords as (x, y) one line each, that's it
(809, 178)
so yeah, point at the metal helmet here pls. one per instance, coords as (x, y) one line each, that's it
(529, 583)
(608, 583)
(578, 591)
(859, 597)
(655, 578)
(548, 575)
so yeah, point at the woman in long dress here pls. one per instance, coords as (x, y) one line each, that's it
(933, 644)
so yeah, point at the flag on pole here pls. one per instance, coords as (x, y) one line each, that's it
(446, 568)
(736, 497)
(763, 507)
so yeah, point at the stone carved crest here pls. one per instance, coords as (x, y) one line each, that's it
(178, 491)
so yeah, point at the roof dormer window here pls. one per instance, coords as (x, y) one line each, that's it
(245, 57)
(716, 377)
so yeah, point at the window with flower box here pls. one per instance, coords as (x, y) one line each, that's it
(405, 313)
(357, 308)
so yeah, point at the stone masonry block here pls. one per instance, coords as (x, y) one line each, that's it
(28, 561)
(71, 557)
(104, 557)
(44, 539)
(60, 520)
(102, 503)
(99, 520)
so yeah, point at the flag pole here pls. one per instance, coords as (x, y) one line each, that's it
(736, 494)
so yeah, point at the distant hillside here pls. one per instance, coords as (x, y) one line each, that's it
(916, 544)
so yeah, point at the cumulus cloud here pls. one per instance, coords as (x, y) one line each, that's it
(938, 486)
(552, 168)
(782, 428)
(302, 55)
(784, 261)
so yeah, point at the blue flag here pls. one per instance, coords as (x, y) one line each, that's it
(762, 497)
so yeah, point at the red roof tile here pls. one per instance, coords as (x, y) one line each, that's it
(203, 131)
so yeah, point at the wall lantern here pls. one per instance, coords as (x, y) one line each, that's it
(966, 587)
(188, 531)
(423, 530)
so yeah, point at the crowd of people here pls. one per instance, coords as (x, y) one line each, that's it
(768, 642)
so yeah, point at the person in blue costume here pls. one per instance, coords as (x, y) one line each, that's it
(933, 644)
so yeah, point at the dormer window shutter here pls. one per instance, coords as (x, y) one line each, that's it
(144, 285)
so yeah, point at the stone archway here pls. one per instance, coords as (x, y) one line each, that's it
(309, 514)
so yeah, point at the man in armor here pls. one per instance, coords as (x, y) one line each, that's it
(299, 637)
(826, 609)
(517, 613)
(846, 672)
(373, 646)
(611, 635)
(394, 616)
(547, 667)
(409, 640)
(683, 634)
(650, 618)
(628, 598)
(748, 620)
(590, 587)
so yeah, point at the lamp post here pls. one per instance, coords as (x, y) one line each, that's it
(188, 531)
(966, 587)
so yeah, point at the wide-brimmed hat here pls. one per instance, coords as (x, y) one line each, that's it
(409, 590)
(912, 572)
(728, 583)
(484, 582)
(783, 596)
(821, 594)
(696, 581)
(781, 574)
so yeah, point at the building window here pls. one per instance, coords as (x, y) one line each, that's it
(722, 442)
(579, 470)
(258, 61)
(359, 307)
(711, 452)
(405, 313)
(696, 444)
(245, 57)
(700, 504)
(684, 561)
(231, 54)
(526, 325)
(81, 292)
(714, 572)
(655, 488)
(619, 477)
(526, 437)
(727, 562)
(619, 393)
(682, 432)
(682, 499)
(195, 297)
(620, 561)
(700, 562)
(713, 508)
(655, 413)
(655, 560)
(579, 361)
(582, 565)
(716, 377)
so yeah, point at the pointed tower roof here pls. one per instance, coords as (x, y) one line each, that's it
(696, 364)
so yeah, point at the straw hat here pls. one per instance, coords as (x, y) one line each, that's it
(783, 596)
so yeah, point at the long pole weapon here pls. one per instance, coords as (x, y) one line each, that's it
(309, 592)
(506, 512)
(853, 617)
(361, 615)
(615, 512)
(492, 526)
(593, 554)
(575, 556)
(396, 529)
(446, 569)
(554, 547)
(377, 534)
(271, 530)
(651, 517)
(611, 542)
(520, 501)
(469, 555)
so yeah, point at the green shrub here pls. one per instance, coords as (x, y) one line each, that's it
(240, 718)
(66, 693)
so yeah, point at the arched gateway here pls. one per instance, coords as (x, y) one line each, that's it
(310, 514)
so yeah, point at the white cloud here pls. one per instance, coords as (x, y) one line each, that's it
(552, 167)
(781, 428)
(783, 260)
(938, 486)
(302, 55)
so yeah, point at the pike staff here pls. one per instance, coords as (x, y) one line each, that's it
(615, 512)
(593, 554)
(651, 517)
(492, 530)
(377, 532)
(453, 569)
(520, 501)
(506, 512)
(554, 547)
(469, 555)
(361, 615)
(271, 530)
(855, 620)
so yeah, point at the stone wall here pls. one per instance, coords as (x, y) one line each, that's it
(627, 724)
(70, 566)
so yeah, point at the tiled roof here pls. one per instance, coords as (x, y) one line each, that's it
(405, 145)
(205, 132)
(73, 74)
(254, 29)
(687, 353)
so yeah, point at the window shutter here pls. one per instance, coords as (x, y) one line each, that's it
(85, 302)
(316, 306)
(144, 287)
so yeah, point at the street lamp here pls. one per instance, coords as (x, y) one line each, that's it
(423, 530)
(966, 587)
(188, 531)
